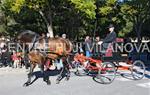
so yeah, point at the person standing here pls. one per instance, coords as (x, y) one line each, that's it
(88, 45)
(16, 60)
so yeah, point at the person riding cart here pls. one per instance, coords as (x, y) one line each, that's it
(109, 39)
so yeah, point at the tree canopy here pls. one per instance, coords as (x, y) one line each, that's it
(78, 17)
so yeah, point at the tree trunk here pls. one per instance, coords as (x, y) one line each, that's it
(138, 28)
(49, 18)
(138, 32)
(50, 26)
(48, 23)
(50, 30)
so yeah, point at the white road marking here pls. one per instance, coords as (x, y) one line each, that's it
(122, 79)
(145, 85)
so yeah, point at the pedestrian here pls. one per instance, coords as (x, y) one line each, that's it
(88, 45)
(4, 56)
(97, 48)
(16, 60)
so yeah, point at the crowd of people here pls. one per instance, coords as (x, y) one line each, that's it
(12, 59)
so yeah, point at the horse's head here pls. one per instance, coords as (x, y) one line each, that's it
(26, 36)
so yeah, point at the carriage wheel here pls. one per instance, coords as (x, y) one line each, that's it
(107, 73)
(81, 70)
(138, 70)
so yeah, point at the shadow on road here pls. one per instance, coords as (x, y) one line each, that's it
(147, 70)
(39, 74)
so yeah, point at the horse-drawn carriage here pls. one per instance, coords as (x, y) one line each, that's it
(104, 67)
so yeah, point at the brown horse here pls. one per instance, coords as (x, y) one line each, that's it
(41, 49)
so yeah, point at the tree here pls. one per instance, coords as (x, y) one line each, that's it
(87, 7)
(137, 12)
(43, 7)
(110, 12)
(129, 15)
(48, 9)
(2, 20)
(80, 17)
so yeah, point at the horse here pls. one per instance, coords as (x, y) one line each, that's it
(56, 48)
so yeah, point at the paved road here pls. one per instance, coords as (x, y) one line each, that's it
(11, 81)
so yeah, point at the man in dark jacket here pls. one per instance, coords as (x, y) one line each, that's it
(110, 38)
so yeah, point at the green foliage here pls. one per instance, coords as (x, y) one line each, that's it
(2, 28)
(76, 17)
(105, 10)
(87, 7)
(137, 12)
(17, 5)
(126, 29)
(108, 7)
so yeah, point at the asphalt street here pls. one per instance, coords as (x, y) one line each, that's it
(12, 80)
